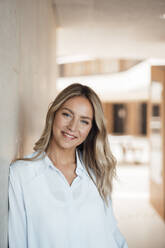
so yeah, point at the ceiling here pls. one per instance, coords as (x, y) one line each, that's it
(110, 28)
(133, 84)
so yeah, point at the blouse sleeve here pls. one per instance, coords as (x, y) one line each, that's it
(17, 231)
(112, 223)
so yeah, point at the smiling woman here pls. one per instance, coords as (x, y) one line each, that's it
(72, 123)
(60, 196)
(71, 126)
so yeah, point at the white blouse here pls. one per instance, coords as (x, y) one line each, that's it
(46, 212)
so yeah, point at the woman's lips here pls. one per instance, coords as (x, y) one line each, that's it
(65, 134)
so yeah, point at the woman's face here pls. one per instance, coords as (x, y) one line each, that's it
(72, 123)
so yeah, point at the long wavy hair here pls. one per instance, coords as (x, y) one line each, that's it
(95, 150)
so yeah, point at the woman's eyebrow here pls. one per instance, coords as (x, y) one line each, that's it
(68, 110)
(84, 117)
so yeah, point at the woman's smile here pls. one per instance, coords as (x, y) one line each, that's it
(67, 135)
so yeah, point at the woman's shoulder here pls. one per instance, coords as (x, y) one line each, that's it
(26, 169)
(24, 161)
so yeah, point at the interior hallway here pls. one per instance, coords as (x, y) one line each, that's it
(138, 221)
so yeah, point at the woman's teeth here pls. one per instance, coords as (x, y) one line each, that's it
(68, 135)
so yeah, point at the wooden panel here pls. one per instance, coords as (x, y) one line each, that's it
(157, 168)
(163, 140)
(133, 118)
(157, 198)
(107, 108)
(157, 73)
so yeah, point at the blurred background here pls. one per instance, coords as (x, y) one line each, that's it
(117, 48)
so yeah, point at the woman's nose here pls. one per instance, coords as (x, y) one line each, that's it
(72, 126)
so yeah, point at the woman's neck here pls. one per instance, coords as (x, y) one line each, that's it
(62, 157)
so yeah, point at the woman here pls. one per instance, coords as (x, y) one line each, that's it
(60, 196)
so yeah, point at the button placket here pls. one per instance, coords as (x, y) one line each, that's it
(63, 178)
(59, 173)
(75, 181)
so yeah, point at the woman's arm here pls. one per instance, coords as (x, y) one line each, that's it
(17, 231)
(112, 225)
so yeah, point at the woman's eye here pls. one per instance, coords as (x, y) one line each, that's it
(66, 114)
(85, 122)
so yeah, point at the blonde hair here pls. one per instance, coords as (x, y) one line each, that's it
(95, 150)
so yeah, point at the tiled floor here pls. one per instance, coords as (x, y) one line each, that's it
(138, 221)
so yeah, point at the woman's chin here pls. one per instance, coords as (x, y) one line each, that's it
(68, 146)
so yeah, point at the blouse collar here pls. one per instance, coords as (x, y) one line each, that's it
(80, 167)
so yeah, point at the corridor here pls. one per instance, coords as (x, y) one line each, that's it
(138, 221)
(118, 49)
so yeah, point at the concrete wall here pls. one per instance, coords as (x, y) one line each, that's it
(27, 83)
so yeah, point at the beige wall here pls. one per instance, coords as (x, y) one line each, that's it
(27, 82)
